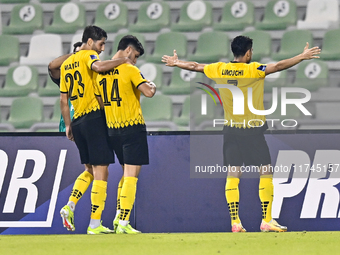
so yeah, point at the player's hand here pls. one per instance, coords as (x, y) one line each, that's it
(311, 53)
(170, 61)
(129, 61)
(151, 83)
(69, 133)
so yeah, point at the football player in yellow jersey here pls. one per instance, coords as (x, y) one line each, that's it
(245, 144)
(88, 128)
(120, 90)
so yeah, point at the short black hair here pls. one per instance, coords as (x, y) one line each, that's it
(93, 32)
(240, 45)
(133, 41)
(76, 45)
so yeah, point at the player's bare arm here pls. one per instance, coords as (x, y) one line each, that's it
(308, 53)
(65, 112)
(148, 88)
(106, 65)
(188, 65)
(54, 65)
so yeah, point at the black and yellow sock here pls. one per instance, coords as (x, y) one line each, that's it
(127, 197)
(266, 194)
(233, 198)
(98, 197)
(119, 191)
(80, 186)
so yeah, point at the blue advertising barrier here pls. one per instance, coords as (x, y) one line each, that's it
(37, 174)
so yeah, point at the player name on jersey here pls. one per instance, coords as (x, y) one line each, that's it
(232, 72)
(72, 66)
(113, 71)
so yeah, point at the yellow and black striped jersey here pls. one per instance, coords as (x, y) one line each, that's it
(119, 90)
(77, 79)
(243, 76)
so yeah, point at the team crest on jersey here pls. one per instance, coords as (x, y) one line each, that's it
(262, 68)
(93, 56)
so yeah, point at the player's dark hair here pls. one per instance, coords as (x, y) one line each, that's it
(240, 45)
(76, 45)
(130, 40)
(93, 32)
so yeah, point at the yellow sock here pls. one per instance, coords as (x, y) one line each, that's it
(232, 195)
(127, 197)
(98, 197)
(80, 186)
(119, 190)
(266, 194)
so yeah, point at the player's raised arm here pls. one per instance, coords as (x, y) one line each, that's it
(106, 65)
(148, 88)
(188, 65)
(54, 65)
(308, 53)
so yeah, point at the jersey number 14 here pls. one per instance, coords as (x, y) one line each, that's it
(114, 92)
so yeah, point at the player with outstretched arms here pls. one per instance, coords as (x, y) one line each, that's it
(244, 144)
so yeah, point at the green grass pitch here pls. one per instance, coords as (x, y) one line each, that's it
(305, 243)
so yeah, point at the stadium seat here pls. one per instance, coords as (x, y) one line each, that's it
(111, 16)
(67, 19)
(275, 80)
(25, 19)
(9, 50)
(293, 43)
(13, 1)
(43, 49)
(50, 89)
(196, 111)
(0, 23)
(180, 82)
(157, 108)
(211, 47)
(20, 81)
(236, 15)
(194, 16)
(116, 41)
(330, 45)
(151, 17)
(262, 44)
(184, 118)
(292, 112)
(166, 43)
(328, 111)
(153, 72)
(279, 14)
(320, 15)
(25, 111)
(311, 75)
(54, 1)
(75, 38)
(56, 112)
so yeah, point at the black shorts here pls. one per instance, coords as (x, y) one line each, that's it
(248, 150)
(91, 138)
(131, 145)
